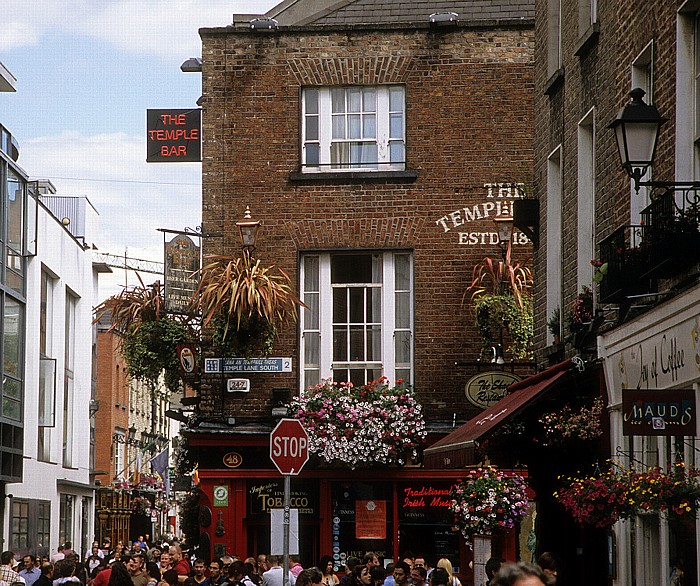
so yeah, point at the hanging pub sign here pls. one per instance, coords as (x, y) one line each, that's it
(181, 279)
(486, 388)
(187, 360)
(174, 136)
(658, 412)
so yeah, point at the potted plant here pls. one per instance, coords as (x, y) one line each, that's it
(372, 424)
(567, 426)
(499, 294)
(554, 325)
(244, 301)
(489, 501)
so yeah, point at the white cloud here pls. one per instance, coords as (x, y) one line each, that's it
(163, 28)
(133, 198)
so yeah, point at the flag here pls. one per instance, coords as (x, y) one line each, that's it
(160, 465)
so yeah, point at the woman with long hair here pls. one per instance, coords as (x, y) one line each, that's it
(326, 567)
(446, 565)
(361, 576)
(120, 575)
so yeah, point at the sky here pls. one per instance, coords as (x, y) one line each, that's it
(86, 73)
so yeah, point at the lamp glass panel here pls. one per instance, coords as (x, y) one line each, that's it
(641, 140)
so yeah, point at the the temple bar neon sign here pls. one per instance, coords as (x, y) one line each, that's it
(658, 412)
(174, 136)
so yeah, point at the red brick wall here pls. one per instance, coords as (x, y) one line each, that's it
(469, 122)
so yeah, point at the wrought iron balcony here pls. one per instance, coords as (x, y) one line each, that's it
(663, 246)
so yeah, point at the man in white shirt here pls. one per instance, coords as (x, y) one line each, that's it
(275, 575)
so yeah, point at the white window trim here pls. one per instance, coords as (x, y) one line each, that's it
(325, 129)
(586, 199)
(388, 321)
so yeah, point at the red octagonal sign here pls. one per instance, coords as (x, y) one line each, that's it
(289, 446)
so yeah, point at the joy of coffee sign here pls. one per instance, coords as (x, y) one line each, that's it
(486, 388)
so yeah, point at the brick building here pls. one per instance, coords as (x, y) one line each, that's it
(589, 57)
(438, 120)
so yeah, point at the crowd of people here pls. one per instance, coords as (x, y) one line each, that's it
(166, 564)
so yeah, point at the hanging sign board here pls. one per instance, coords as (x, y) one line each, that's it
(486, 388)
(174, 136)
(181, 277)
(658, 412)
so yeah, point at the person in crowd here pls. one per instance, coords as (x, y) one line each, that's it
(64, 573)
(107, 550)
(59, 555)
(236, 573)
(550, 566)
(96, 571)
(68, 549)
(165, 562)
(170, 578)
(118, 575)
(216, 576)
(199, 577)
(350, 564)
(134, 565)
(29, 571)
(7, 574)
(439, 577)
(152, 574)
(274, 576)
(520, 574)
(46, 577)
(326, 567)
(180, 564)
(251, 566)
(79, 571)
(93, 559)
(421, 562)
(371, 560)
(378, 575)
(389, 580)
(402, 572)
(294, 565)
(310, 577)
(446, 565)
(419, 575)
(99, 551)
(361, 576)
(263, 566)
(491, 568)
(135, 548)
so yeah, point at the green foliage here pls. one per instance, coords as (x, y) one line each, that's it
(186, 457)
(253, 337)
(189, 517)
(494, 312)
(151, 347)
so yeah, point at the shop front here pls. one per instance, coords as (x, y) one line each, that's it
(341, 512)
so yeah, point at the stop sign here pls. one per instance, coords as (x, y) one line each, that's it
(289, 446)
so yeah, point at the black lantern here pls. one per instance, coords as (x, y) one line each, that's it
(249, 229)
(504, 227)
(637, 130)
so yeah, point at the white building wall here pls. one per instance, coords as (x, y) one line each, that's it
(70, 264)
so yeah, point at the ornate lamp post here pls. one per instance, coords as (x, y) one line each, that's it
(248, 228)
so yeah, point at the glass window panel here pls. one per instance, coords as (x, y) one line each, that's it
(337, 100)
(358, 377)
(357, 343)
(15, 211)
(11, 388)
(396, 126)
(312, 345)
(396, 98)
(311, 99)
(369, 126)
(363, 154)
(340, 375)
(312, 155)
(311, 278)
(374, 343)
(338, 127)
(402, 272)
(11, 409)
(12, 336)
(374, 305)
(354, 99)
(311, 378)
(340, 154)
(340, 344)
(354, 126)
(369, 100)
(357, 305)
(351, 268)
(402, 348)
(397, 153)
(340, 305)
(312, 128)
(403, 310)
(311, 312)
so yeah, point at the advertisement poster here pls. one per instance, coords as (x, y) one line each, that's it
(370, 519)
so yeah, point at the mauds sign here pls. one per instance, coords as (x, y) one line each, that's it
(658, 412)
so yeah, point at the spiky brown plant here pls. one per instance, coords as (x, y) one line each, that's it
(241, 288)
(502, 277)
(132, 306)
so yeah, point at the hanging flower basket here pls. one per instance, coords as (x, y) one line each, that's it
(372, 424)
(140, 505)
(601, 499)
(489, 501)
(568, 426)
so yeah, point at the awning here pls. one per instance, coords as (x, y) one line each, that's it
(456, 449)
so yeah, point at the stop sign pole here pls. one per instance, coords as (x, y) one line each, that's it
(289, 451)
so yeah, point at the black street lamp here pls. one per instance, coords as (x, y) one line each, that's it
(504, 227)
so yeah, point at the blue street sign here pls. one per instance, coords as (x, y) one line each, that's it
(233, 365)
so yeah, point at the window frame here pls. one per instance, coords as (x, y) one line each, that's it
(316, 321)
(322, 138)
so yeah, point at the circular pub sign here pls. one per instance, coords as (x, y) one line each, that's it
(486, 388)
